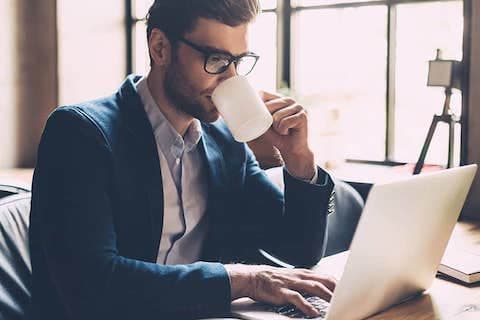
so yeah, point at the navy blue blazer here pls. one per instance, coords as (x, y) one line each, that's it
(97, 216)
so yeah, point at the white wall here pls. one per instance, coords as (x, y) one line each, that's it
(8, 127)
(35, 74)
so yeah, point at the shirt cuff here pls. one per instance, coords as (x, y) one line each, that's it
(315, 177)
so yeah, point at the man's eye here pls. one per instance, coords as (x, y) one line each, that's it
(217, 58)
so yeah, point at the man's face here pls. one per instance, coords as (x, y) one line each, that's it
(187, 85)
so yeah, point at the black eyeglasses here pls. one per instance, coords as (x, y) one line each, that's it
(218, 62)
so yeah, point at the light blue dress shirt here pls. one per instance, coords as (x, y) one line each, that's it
(184, 185)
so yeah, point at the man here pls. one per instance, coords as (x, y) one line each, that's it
(132, 191)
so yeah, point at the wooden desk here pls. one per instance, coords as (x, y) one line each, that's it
(444, 300)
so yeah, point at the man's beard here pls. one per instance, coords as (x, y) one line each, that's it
(182, 95)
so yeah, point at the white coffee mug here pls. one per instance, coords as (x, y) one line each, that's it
(244, 112)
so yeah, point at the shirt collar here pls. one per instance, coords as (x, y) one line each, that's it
(166, 136)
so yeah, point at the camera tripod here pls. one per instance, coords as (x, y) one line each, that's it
(451, 119)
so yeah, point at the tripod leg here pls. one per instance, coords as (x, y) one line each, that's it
(451, 141)
(426, 145)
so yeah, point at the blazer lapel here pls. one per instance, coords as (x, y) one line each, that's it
(138, 125)
(215, 165)
(214, 162)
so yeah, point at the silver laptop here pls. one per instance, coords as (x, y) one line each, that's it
(397, 247)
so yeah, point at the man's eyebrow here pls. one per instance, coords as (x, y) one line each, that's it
(218, 50)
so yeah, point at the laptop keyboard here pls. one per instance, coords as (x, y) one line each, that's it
(292, 312)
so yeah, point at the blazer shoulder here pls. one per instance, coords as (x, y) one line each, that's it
(101, 118)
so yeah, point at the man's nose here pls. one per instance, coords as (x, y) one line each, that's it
(230, 72)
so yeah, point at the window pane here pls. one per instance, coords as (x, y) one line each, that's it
(141, 58)
(91, 37)
(339, 73)
(268, 4)
(140, 8)
(263, 41)
(421, 29)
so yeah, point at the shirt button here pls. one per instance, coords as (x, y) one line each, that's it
(177, 161)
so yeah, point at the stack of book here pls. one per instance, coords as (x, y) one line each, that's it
(461, 264)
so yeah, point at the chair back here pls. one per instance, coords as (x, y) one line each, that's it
(15, 267)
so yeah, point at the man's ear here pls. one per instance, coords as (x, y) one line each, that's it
(159, 47)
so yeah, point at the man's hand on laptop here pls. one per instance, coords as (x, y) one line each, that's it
(279, 286)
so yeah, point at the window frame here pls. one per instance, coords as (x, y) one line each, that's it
(285, 10)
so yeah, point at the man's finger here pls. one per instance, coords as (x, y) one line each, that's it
(291, 122)
(267, 96)
(277, 104)
(299, 302)
(328, 281)
(313, 288)
(284, 113)
(287, 111)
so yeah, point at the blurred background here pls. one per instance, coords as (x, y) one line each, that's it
(359, 67)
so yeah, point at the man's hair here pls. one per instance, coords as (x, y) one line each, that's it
(177, 17)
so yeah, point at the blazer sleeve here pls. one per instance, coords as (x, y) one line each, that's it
(73, 212)
(291, 225)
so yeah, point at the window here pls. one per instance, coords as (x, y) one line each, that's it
(141, 60)
(360, 67)
(339, 71)
(364, 64)
(262, 41)
(422, 27)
